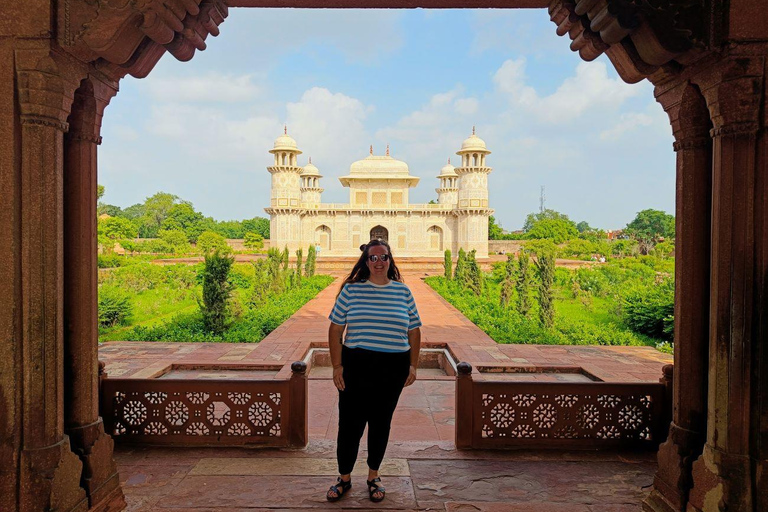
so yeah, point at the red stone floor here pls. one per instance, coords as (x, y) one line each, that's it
(423, 470)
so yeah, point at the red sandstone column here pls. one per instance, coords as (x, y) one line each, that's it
(49, 473)
(689, 117)
(724, 477)
(81, 392)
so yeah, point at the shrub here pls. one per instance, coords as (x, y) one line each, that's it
(253, 241)
(216, 291)
(592, 281)
(460, 276)
(110, 260)
(261, 283)
(175, 239)
(447, 264)
(650, 309)
(474, 276)
(209, 242)
(241, 276)
(114, 306)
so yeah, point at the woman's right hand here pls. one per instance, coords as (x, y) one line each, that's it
(338, 378)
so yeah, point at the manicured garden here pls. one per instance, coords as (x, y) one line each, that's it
(627, 301)
(217, 300)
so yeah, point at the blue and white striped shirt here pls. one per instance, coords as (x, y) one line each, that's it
(378, 317)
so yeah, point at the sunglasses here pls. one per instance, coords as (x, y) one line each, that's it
(373, 258)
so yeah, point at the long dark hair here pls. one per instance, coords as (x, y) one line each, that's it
(361, 272)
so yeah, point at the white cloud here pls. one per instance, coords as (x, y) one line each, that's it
(590, 89)
(210, 88)
(329, 127)
(627, 122)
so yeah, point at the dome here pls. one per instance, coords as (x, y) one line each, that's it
(285, 143)
(380, 166)
(448, 170)
(473, 143)
(310, 170)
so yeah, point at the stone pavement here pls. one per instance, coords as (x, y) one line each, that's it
(423, 470)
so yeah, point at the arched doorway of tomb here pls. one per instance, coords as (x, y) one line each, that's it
(435, 238)
(380, 233)
(323, 237)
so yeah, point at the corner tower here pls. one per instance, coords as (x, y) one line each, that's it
(310, 186)
(285, 203)
(472, 208)
(448, 192)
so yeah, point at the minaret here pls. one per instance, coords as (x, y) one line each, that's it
(285, 204)
(310, 186)
(472, 208)
(448, 192)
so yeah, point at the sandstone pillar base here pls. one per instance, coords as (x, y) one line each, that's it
(95, 448)
(50, 479)
(672, 481)
(721, 481)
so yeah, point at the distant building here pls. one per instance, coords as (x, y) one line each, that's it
(378, 205)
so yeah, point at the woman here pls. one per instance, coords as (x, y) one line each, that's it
(378, 357)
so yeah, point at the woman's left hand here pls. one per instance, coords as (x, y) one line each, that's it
(411, 376)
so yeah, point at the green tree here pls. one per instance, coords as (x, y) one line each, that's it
(547, 214)
(299, 257)
(448, 264)
(253, 240)
(181, 216)
(134, 212)
(109, 209)
(507, 282)
(460, 276)
(116, 228)
(261, 283)
(208, 241)
(649, 227)
(474, 275)
(217, 291)
(258, 225)
(156, 209)
(494, 230)
(311, 264)
(523, 283)
(275, 270)
(556, 230)
(584, 226)
(545, 263)
(286, 258)
(175, 239)
(99, 192)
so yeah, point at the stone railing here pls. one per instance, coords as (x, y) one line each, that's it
(507, 414)
(221, 412)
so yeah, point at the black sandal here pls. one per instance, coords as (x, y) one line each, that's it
(374, 487)
(340, 488)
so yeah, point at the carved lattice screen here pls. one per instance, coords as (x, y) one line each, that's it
(565, 414)
(196, 411)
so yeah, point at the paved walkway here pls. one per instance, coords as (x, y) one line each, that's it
(423, 469)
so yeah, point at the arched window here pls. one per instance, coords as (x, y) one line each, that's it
(323, 237)
(435, 238)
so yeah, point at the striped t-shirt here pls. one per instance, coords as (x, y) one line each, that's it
(378, 316)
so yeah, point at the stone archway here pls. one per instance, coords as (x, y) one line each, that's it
(379, 233)
(435, 234)
(708, 68)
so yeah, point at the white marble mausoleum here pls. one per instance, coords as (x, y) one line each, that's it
(379, 206)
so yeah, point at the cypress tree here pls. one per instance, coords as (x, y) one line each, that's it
(461, 268)
(216, 291)
(523, 284)
(506, 284)
(474, 276)
(299, 256)
(311, 264)
(546, 266)
(448, 264)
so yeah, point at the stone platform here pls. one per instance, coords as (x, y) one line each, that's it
(423, 469)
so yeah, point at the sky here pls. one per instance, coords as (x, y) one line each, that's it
(418, 80)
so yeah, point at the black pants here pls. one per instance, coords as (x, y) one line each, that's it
(373, 382)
